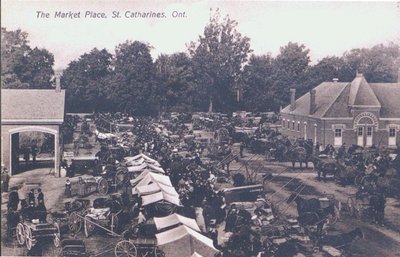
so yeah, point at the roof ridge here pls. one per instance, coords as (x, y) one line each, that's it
(334, 101)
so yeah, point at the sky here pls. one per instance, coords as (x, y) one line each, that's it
(326, 28)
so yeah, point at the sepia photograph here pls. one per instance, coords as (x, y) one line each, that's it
(200, 128)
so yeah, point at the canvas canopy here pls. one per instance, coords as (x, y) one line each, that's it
(145, 166)
(151, 177)
(174, 219)
(139, 159)
(184, 241)
(154, 188)
(160, 196)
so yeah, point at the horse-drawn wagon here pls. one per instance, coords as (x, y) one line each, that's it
(140, 240)
(69, 216)
(367, 206)
(31, 231)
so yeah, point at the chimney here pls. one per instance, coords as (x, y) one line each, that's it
(335, 80)
(292, 99)
(312, 101)
(58, 83)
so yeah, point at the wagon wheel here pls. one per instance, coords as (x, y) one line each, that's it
(74, 222)
(125, 248)
(158, 252)
(358, 179)
(89, 227)
(28, 238)
(57, 236)
(102, 186)
(20, 232)
(114, 222)
(119, 177)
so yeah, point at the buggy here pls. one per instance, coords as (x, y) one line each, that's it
(69, 216)
(104, 214)
(29, 232)
(140, 240)
(73, 248)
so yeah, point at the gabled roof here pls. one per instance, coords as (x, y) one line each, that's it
(361, 93)
(335, 99)
(174, 219)
(388, 95)
(32, 105)
(326, 94)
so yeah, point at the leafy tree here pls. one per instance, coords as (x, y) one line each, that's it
(136, 90)
(257, 83)
(175, 78)
(218, 58)
(21, 66)
(290, 67)
(84, 81)
(378, 64)
(326, 69)
(36, 69)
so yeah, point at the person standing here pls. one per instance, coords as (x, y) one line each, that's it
(40, 197)
(241, 149)
(34, 153)
(13, 199)
(5, 179)
(31, 197)
(67, 192)
(26, 154)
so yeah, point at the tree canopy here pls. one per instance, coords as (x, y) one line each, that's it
(215, 68)
(21, 66)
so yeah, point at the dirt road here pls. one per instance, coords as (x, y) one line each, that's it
(379, 240)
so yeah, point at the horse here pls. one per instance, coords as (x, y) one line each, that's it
(304, 205)
(297, 154)
(318, 218)
(340, 241)
(325, 167)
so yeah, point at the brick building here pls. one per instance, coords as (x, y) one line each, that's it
(354, 112)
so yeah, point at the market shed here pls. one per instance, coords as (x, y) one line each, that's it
(30, 110)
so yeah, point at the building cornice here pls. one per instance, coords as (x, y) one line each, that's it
(31, 122)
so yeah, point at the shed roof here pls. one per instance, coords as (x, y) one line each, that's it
(32, 105)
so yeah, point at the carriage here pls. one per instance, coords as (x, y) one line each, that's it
(69, 216)
(104, 215)
(92, 184)
(140, 240)
(363, 206)
(30, 232)
(73, 248)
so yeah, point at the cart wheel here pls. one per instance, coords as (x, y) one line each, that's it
(74, 222)
(125, 248)
(89, 227)
(120, 176)
(28, 238)
(158, 252)
(102, 186)
(57, 236)
(114, 222)
(358, 179)
(20, 232)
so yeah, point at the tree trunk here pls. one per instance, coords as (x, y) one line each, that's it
(210, 105)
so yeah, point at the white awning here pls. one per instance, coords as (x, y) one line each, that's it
(160, 196)
(165, 222)
(151, 177)
(154, 188)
